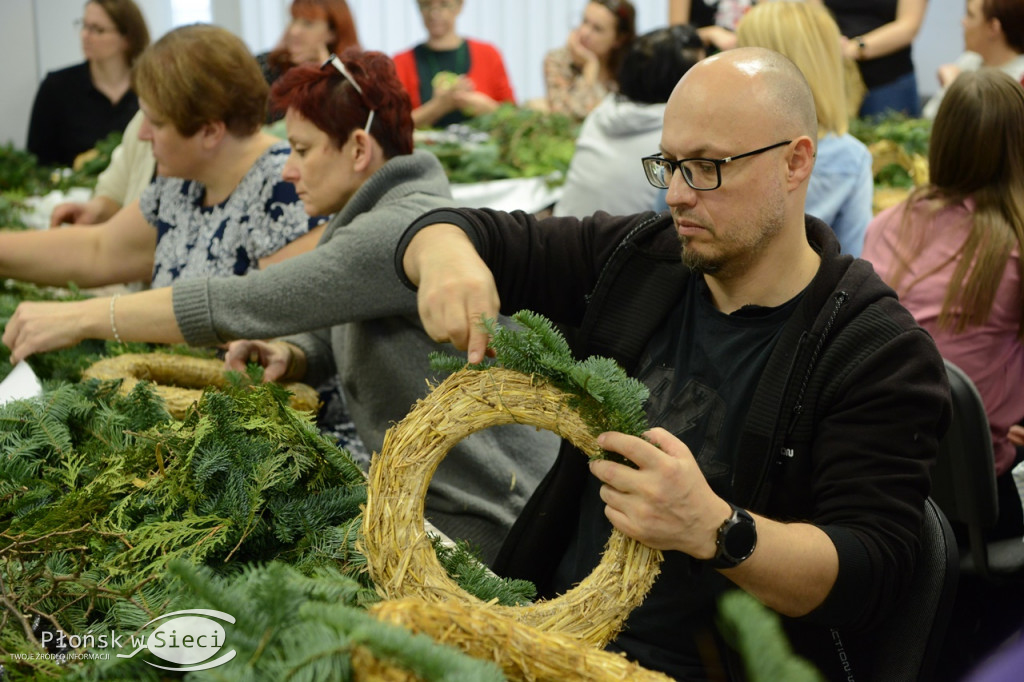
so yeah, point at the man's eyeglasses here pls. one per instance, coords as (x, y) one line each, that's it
(334, 61)
(94, 29)
(701, 174)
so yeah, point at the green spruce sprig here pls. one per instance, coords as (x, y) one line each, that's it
(608, 399)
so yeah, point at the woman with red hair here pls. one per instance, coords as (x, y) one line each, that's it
(350, 126)
(317, 29)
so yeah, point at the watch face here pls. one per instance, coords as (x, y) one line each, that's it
(740, 539)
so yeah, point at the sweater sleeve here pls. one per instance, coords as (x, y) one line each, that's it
(851, 222)
(487, 71)
(321, 288)
(877, 435)
(531, 258)
(405, 66)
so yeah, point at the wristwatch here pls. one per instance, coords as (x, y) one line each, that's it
(737, 538)
(861, 46)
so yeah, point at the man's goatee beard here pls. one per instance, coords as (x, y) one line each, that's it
(695, 262)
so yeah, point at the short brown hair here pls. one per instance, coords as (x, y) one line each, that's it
(199, 74)
(1010, 14)
(128, 19)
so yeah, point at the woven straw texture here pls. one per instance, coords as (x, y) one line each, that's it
(523, 652)
(401, 559)
(180, 379)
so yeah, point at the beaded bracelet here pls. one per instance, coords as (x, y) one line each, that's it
(113, 326)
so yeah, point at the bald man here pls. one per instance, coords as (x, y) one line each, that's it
(795, 405)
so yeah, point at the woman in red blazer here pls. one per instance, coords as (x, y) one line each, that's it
(450, 78)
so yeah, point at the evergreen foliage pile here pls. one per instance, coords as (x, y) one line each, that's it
(99, 492)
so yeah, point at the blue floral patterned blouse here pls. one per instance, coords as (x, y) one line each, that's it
(263, 214)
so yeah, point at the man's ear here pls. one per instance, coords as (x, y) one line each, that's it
(800, 161)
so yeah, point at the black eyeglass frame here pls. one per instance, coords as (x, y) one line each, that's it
(649, 162)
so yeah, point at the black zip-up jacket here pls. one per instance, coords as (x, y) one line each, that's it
(843, 426)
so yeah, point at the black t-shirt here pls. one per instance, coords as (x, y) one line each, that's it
(69, 115)
(857, 17)
(702, 369)
(431, 62)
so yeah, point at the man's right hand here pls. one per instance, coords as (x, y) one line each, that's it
(456, 288)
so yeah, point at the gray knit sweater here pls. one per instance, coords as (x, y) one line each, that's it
(347, 310)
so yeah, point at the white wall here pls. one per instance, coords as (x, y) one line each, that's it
(40, 33)
(18, 79)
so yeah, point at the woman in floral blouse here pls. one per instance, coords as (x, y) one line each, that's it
(581, 73)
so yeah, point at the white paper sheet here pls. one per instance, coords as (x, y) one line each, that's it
(21, 383)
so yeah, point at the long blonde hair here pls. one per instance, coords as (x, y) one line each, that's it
(976, 152)
(807, 34)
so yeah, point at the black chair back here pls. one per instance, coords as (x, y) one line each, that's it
(909, 643)
(964, 475)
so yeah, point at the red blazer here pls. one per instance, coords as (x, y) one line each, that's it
(486, 70)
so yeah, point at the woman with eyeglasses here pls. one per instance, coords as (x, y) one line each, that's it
(350, 126)
(450, 78)
(579, 75)
(80, 105)
(218, 205)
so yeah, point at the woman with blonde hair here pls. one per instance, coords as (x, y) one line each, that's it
(952, 252)
(841, 186)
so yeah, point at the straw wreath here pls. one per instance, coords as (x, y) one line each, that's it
(523, 652)
(401, 559)
(180, 379)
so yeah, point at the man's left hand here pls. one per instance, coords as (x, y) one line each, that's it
(665, 502)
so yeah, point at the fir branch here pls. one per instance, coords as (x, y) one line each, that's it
(606, 396)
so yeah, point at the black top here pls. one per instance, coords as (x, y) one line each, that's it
(69, 115)
(857, 17)
(702, 368)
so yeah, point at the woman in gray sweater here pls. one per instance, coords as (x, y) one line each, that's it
(350, 127)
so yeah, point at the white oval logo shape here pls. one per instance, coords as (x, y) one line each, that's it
(186, 640)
